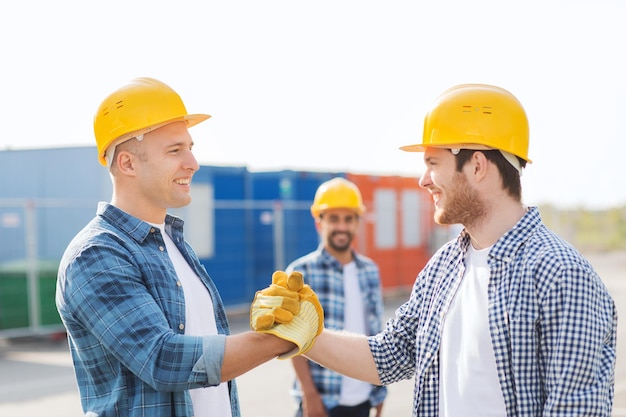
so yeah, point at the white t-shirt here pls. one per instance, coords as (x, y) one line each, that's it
(353, 391)
(468, 383)
(200, 321)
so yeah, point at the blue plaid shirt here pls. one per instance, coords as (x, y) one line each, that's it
(325, 276)
(124, 311)
(553, 326)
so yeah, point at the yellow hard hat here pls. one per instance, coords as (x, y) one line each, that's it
(143, 105)
(476, 116)
(337, 193)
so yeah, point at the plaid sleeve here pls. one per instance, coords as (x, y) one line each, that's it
(578, 327)
(394, 349)
(107, 295)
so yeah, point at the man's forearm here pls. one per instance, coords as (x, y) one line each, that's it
(248, 350)
(346, 353)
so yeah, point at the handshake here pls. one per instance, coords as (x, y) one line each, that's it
(288, 309)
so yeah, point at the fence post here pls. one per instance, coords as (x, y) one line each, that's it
(279, 236)
(30, 229)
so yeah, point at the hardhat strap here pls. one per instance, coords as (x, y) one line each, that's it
(513, 160)
(109, 153)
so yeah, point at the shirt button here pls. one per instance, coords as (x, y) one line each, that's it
(180, 284)
(152, 230)
(181, 326)
(161, 248)
(428, 355)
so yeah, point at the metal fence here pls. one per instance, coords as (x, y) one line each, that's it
(31, 232)
(240, 242)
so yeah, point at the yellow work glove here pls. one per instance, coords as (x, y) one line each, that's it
(277, 303)
(305, 325)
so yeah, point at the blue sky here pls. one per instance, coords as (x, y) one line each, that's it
(330, 85)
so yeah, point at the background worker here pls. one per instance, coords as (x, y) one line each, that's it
(349, 288)
(506, 319)
(146, 326)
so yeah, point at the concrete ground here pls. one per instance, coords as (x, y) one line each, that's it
(36, 376)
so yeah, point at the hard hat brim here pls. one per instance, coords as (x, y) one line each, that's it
(190, 119)
(413, 148)
(194, 119)
(420, 147)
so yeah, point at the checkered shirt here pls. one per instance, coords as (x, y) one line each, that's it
(553, 326)
(121, 303)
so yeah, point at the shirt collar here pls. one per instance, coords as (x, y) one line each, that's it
(508, 243)
(132, 226)
(329, 259)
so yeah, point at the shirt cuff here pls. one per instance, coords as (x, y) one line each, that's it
(210, 363)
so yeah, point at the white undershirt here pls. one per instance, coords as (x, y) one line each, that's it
(199, 321)
(468, 383)
(353, 392)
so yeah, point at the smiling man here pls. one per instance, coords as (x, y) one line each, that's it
(507, 319)
(146, 325)
(348, 286)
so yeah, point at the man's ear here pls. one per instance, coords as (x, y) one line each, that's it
(317, 224)
(479, 165)
(125, 163)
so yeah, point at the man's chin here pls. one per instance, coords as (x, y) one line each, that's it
(341, 248)
(180, 202)
(441, 218)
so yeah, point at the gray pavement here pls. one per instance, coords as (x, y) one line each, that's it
(36, 376)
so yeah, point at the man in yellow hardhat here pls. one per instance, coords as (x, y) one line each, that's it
(146, 325)
(349, 288)
(507, 319)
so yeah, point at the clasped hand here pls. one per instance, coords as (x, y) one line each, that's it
(288, 309)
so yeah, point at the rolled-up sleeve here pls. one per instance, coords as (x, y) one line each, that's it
(210, 363)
